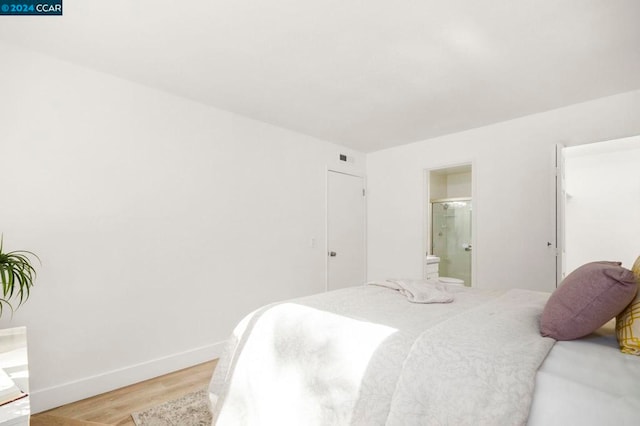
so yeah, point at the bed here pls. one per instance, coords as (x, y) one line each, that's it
(367, 356)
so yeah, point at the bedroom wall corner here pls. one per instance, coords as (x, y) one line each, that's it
(160, 221)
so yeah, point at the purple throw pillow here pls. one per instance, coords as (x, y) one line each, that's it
(586, 299)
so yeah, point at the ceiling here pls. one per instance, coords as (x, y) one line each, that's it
(369, 74)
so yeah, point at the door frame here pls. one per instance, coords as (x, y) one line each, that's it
(426, 215)
(326, 221)
(560, 198)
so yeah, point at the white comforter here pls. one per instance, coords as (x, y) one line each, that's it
(366, 356)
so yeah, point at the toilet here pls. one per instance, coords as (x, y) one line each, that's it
(432, 272)
(451, 281)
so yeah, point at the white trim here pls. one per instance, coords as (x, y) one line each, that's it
(560, 204)
(474, 224)
(329, 169)
(55, 396)
(425, 210)
(326, 229)
(449, 200)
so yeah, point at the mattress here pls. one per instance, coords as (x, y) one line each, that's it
(588, 381)
(365, 355)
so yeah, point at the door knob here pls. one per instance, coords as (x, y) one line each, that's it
(332, 253)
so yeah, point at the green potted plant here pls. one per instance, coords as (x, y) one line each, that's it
(16, 276)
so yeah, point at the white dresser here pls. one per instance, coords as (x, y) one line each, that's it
(14, 377)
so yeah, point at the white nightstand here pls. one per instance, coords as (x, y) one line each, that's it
(15, 363)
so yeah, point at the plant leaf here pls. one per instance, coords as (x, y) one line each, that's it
(17, 275)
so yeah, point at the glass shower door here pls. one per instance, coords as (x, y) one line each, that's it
(451, 237)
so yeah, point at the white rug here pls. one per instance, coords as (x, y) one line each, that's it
(189, 410)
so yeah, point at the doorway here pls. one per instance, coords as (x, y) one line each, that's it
(601, 202)
(346, 255)
(449, 223)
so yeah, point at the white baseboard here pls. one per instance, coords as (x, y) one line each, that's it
(55, 396)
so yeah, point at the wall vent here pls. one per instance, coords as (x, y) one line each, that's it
(347, 158)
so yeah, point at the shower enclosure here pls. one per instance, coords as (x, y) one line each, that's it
(451, 237)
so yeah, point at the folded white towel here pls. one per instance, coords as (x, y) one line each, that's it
(419, 291)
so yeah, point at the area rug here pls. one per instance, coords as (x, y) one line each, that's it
(189, 410)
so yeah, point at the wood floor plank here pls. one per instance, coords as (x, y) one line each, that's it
(49, 420)
(115, 407)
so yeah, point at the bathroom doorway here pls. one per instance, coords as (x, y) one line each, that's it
(449, 219)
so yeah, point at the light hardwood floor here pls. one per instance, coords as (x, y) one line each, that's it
(115, 407)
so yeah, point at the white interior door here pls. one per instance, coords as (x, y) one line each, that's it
(345, 230)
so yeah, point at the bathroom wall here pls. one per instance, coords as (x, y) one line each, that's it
(437, 186)
(445, 184)
(459, 185)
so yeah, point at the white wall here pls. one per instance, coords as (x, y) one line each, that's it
(603, 210)
(513, 211)
(160, 222)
